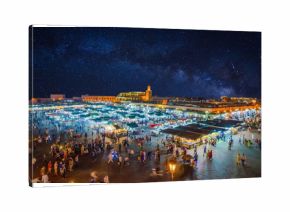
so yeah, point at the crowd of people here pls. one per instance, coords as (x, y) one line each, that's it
(64, 156)
(69, 146)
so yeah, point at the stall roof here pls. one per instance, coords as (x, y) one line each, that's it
(132, 125)
(194, 130)
(197, 126)
(200, 129)
(184, 134)
(222, 123)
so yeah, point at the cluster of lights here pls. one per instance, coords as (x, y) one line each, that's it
(101, 114)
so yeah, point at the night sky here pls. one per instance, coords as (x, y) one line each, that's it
(106, 61)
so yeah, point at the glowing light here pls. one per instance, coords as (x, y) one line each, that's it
(172, 167)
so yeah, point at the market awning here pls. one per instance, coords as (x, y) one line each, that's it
(183, 134)
(132, 125)
(221, 123)
(154, 125)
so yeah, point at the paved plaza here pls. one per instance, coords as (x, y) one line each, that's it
(222, 166)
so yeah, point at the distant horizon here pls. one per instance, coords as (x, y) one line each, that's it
(194, 97)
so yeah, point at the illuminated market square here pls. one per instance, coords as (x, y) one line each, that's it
(150, 115)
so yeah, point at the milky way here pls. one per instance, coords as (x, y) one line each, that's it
(106, 61)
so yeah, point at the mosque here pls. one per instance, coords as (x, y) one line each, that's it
(135, 96)
(145, 96)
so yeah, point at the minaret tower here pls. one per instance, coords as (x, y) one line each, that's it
(148, 93)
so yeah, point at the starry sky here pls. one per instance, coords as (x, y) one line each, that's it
(106, 61)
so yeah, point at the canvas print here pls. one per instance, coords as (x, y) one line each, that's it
(135, 105)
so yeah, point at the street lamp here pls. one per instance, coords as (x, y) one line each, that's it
(172, 167)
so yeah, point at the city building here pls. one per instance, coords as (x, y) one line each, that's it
(159, 100)
(33, 101)
(137, 96)
(57, 97)
(238, 99)
(39, 100)
(87, 98)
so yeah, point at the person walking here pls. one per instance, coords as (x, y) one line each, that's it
(192, 163)
(120, 146)
(110, 158)
(149, 153)
(82, 149)
(42, 170)
(61, 169)
(243, 159)
(49, 167)
(195, 157)
(204, 150)
(209, 154)
(70, 164)
(158, 155)
(131, 155)
(64, 170)
(55, 168)
(106, 179)
(177, 153)
(143, 156)
(65, 154)
(238, 159)
(44, 178)
(120, 160)
(126, 161)
(77, 160)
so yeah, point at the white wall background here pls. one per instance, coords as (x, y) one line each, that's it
(271, 192)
